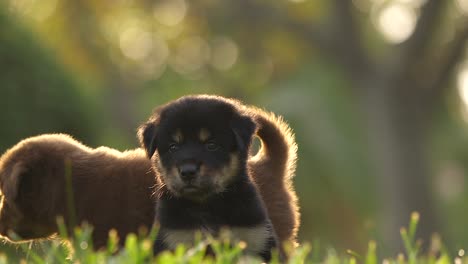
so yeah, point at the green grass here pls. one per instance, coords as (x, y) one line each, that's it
(138, 249)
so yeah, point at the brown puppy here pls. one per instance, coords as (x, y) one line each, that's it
(111, 189)
(32, 181)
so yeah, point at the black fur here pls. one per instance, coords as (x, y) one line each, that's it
(149, 139)
(243, 128)
(221, 193)
(147, 134)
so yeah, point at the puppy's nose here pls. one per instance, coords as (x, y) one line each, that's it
(188, 171)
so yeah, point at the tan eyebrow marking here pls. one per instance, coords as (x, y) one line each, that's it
(204, 134)
(177, 136)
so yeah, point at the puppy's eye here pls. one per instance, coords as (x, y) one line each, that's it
(173, 147)
(211, 146)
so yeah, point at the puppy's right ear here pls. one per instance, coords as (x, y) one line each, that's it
(147, 137)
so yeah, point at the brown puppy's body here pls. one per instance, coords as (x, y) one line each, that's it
(112, 189)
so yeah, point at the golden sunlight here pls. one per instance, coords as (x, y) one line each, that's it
(463, 5)
(396, 22)
(170, 12)
(35, 9)
(135, 43)
(462, 85)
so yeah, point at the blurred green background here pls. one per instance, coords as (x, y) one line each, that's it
(375, 90)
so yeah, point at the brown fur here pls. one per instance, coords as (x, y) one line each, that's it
(275, 165)
(112, 189)
(273, 169)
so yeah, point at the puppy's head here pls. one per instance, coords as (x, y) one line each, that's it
(201, 144)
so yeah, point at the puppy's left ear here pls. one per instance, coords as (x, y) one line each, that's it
(147, 137)
(243, 127)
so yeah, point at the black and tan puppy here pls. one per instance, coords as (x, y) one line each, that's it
(202, 145)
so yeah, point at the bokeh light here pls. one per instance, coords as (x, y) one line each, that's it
(170, 12)
(450, 182)
(224, 53)
(462, 86)
(155, 64)
(396, 21)
(38, 10)
(190, 56)
(135, 43)
(463, 5)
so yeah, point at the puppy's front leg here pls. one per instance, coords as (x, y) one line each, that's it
(272, 244)
(159, 245)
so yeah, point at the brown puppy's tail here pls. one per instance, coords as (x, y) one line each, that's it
(272, 169)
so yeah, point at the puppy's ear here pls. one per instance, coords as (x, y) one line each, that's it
(147, 137)
(243, 127)
(148, 131)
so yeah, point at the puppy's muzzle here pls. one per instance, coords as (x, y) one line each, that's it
(188, 171)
